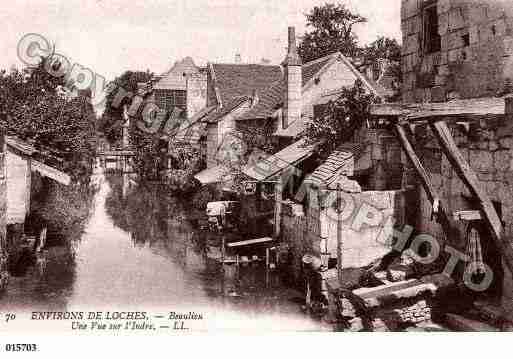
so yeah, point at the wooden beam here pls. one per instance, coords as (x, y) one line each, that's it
(415, 161)
(480, 108)
(441, 215)
(467, 215)
(50, 172)
(250, 242)
(469, 178)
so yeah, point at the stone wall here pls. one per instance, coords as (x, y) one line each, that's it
(361, 244)
(196, 93)
(475, 60)
(489, 153)
(18, 187)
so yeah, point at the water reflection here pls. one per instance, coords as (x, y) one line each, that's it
(142, 250)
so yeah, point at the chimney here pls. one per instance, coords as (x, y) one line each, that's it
(294, 82)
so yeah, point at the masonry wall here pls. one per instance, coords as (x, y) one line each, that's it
(196, 93)
(212, 130)
(476, 50)
(489, 152)
(217, 133)
(18, 187)
(362, 244)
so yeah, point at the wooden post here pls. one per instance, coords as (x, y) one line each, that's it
(223, 246)
(339, 235)
(432, 195)
(277, 208)
(469, 178)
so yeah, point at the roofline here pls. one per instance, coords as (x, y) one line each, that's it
(360, 76)
(338, 55)
(242, 99)
(235, 64)
(320, 59)
(332, 58)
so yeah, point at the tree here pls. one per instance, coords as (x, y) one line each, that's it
(389, 50)
(382, 48)
(340, 120)
(35, 105)
(331, 30)
(112, 117)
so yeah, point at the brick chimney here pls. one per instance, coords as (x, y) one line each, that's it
(294, 82)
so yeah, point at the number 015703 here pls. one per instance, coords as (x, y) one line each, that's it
(21, 347)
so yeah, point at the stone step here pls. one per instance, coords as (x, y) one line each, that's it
(462, 324)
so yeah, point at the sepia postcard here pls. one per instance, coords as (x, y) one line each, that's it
(213, 166)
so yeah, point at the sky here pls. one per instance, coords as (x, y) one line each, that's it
(112, 36)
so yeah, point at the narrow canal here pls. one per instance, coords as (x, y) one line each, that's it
(138, 250)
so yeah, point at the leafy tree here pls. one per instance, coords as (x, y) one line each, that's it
(340, 120)
(112, 117)
(382, 48)
(331, 30)
(389, 50)
(42, 108)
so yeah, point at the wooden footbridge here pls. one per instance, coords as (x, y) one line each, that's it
(118, 159)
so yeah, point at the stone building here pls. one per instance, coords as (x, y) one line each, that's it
(183, 86)
(456, 49)
(253, 95)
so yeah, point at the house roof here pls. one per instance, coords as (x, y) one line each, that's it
(341, 163)
(310, 69)
(236, 80)
(269, 101)
(223, 111)
(192, 130)
(283, 160)
(273, 97)
(212, 175)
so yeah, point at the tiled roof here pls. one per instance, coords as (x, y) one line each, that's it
(310, 69)
(269, 101)
(213, 175)
(272, 97)
(226, 109)
(235, 80)
(192, 130)
(283, 160)
(339, 163)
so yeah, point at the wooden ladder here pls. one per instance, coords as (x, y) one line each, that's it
(487, 211)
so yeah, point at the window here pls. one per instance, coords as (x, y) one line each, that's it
(432, 39)
(169, 99)
(466, 40)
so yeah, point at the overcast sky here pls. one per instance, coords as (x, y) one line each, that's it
(111, 36)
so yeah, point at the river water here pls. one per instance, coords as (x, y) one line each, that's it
(139, 251)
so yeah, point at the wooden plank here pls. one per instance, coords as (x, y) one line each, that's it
(250, 242)
(50, 172)
(470, 179)
(441, 217)
(467, 215)
(489, 106)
